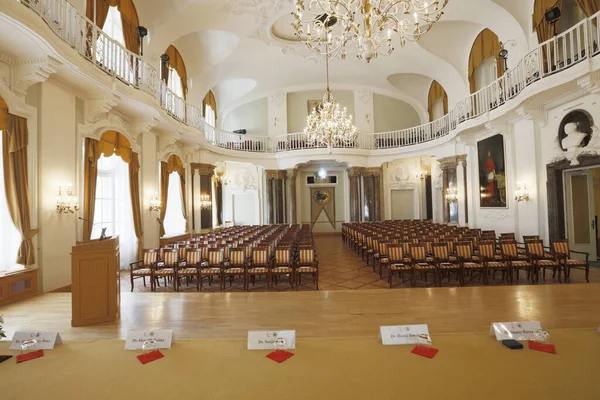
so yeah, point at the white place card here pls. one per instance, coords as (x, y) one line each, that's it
(136, 338)
(265, 340)
(45, 339)
(515, 330)
(402, 334)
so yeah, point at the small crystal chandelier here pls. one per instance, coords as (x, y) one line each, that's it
(521, 194)
(205, 202)
(452, 195)
(336, 27)
(154, 203)
(329, 125)
(66, 204)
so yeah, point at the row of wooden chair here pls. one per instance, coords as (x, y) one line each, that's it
(419, 249)
(282, 251)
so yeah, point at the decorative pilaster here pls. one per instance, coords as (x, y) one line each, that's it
(293, 174)
(275, 195)
(202, 190)
(30, 72)
(372, 192)
(461, 186)
(354, 175)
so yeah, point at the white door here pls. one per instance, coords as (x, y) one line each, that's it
(580, 215)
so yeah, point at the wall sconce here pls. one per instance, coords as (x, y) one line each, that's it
(154, 203)
(205, 202)
(221, 177)
(142, 32)
(451, 195)
(66, 204)
(422, 174)
(521, 194)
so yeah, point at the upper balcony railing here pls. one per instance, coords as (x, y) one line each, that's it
(561, 52)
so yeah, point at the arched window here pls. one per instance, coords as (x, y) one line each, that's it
(11, 237)
(437, 101)
(209, 108)
(572, 14)
(174, 72)
(485, 66)
(174, 219)
(113, 208)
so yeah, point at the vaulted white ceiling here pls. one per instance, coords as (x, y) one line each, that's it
(241, 49)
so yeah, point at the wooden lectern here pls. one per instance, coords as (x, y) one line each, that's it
(95, 277)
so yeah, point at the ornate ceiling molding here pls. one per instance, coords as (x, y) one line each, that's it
(533, 113)
(278, 99)
(590, 83)
(29, 72)
(66, 87)
(565, 98)
(140, 126)
(497, 127)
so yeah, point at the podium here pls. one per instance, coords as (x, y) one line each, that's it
(95, 277)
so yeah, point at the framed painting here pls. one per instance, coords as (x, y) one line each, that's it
(313, 104)
(492, 172)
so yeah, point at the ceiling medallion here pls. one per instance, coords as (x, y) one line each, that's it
(329, 125)
(338, 27)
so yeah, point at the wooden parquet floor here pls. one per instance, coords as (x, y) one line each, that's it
(342, 269)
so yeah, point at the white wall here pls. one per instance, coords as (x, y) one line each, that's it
(56, 166)
(393, 114)
(297, 109)
(246, 183)
(250, 116)
(149, 181)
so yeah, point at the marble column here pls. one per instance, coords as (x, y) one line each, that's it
(354, 175)
(292, 174)
(372, 193)
(202, 176)
(451, 209)
(462, 190)
(275, 195)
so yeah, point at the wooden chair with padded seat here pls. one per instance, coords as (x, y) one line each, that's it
(422, 265)
(167, 269)
(190, 268)
(518, 261)
(543, 259)
(563, 253)
(283, 264)
(260, 265)
(213, 267)
(493, 262)
(398, 264)
(445, 266)
(469, 262)
(307, 263)
(236, 266)
(384, 260)
(144, 268)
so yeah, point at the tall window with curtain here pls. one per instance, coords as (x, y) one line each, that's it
(113, 28)
(113, 206)
(209, 108)
(11, 237)
(485, 66)
(174, 220)
(437, 101)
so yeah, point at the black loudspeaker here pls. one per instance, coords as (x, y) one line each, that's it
(240, 131)
(552, 15)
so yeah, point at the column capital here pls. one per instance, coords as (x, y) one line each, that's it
(276, 173)
(355, 171)
(203, 169)
(373, 171)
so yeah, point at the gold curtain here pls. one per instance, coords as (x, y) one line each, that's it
(134, 189)
(543, 29)
(129, 18)
(589, 7)
(209, 100)
(90, 176)
(176, 62)
(15, 139)
(101, 10)
(112, 142)
(436, 92)
(3, 114)
(164, 195)
(486, 45)
(183, 199)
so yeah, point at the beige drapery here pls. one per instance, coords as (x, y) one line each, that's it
(175, 62)
(543, 29)
(164, 195)
(129, 19)
(589, 7)
(209, 100)
(15, 139)
(486, 45)
(90, 176)
(436, 92)
(134, 189)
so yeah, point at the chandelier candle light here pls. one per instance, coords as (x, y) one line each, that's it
(338, 27)
(154, 203)
(66, 204)
(329, 125)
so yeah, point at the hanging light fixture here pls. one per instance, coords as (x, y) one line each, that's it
(66, 204)
(205, 202)
(451, 194)
(329, 125)
(367, 27)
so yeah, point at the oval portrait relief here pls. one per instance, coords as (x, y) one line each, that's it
(575, 130)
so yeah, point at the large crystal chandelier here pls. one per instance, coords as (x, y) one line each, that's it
(338, 27)
(329, 125)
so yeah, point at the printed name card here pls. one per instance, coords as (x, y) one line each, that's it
(44, 340)
(157, 339)
(515, 330)
(265, 340)
(402, 334)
